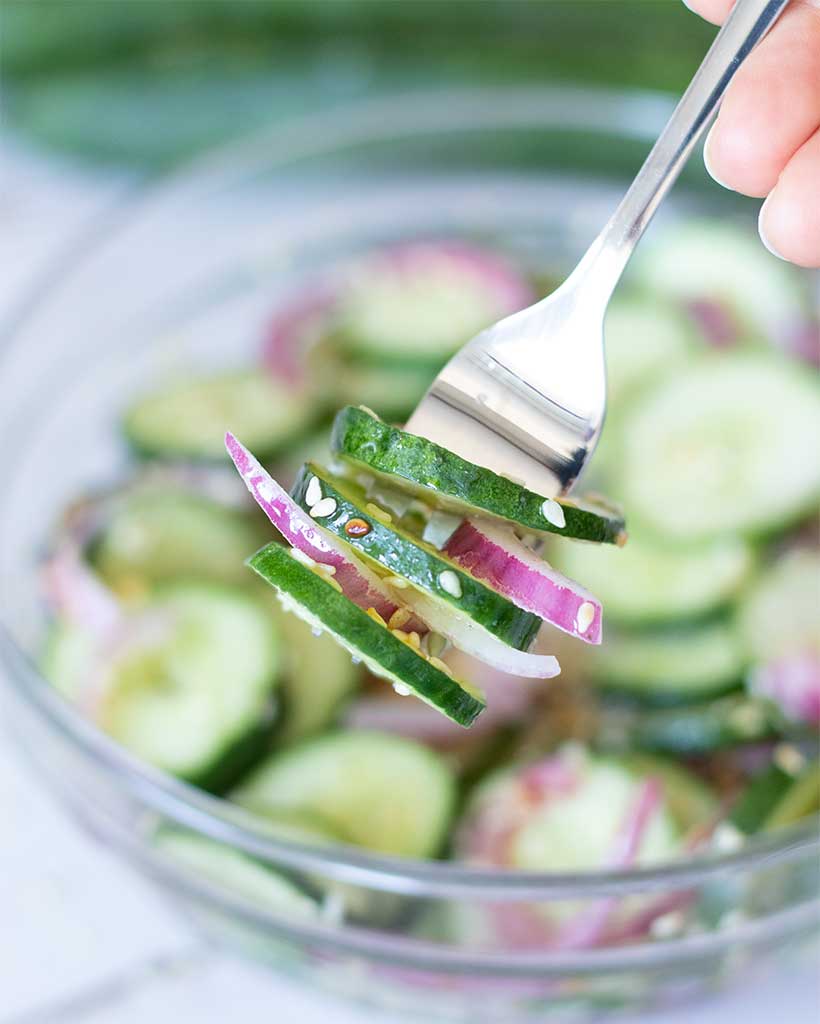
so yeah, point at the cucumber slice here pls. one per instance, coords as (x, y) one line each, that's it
(393, 391)
(691, 729)
(711, 451)
(758, 800)
(236, 871)
(652, 582)
(800, 799)
(421, 302)
(317, 678)
(671, 666)
(69, 656)
(564, 813)
(778, 616)
(397, 552)
(323, 607)
(450, 482)
(188, 420)
(690, 801)
(644, 338)
(710, 262)
(191, 692)
(158, 535)
(383, 792)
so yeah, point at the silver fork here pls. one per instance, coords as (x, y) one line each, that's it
(527, 397)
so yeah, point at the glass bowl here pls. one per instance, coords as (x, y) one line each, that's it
(186, 274)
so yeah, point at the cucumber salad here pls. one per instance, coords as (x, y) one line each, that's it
(585, 700)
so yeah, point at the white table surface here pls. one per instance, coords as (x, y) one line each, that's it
(82, 938)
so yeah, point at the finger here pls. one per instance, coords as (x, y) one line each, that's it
(772, 106)
(712, 10)
(790, 217)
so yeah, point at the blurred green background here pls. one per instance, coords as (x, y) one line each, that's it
(148, 82)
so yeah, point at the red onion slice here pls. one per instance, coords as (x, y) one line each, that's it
(494, 554)
(793, 683)
(357, 582)
(294, 330)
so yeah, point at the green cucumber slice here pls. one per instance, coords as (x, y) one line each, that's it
(672, 665)
(710, 261)
(381, 791)
(193, 695)
(778, 615)
(759, 798)
(644, 338)
(68, 656)
(800, 799)
(570, 825)
(690, 801)
(691, 729)
(158, 535)
(323, 607)
(446, 480)
(713, 449)
(420, 302)
(225, 866)
(395, 551)
(649, 581)
(393, 391)
(317, 678)
(188, 420)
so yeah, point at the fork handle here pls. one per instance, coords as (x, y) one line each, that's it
(748, 22)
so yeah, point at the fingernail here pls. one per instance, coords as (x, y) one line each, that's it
(707, 162)
(762, 231)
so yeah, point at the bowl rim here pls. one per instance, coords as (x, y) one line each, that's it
(629, 114)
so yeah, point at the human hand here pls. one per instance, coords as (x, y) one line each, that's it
(766, 140)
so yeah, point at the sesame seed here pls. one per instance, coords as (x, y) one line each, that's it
(442, 666)
(374, 615)
(313, 492)
(789, 759)
(747, 719)
(397, 582)
(398, 618)
(402, 690)
(586, 613)
(727, 838)
(450, 583)
(435, 643)
(553, 513)
(378, 513)
(415, 639)
(324, 508)
(301, 556)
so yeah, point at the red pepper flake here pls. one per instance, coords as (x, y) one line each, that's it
(357, 528)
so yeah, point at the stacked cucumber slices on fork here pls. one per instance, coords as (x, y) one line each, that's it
(404, 549)
(690, 725)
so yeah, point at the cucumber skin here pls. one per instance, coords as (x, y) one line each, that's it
(418, 562)
(239, 757)
(759, 799)
(691, 729)
(446, 478)
(800, 799)
(275, 565)
(639, 685)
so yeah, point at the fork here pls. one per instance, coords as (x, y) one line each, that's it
(527, 396)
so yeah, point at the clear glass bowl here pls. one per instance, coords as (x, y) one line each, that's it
(186, 275)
